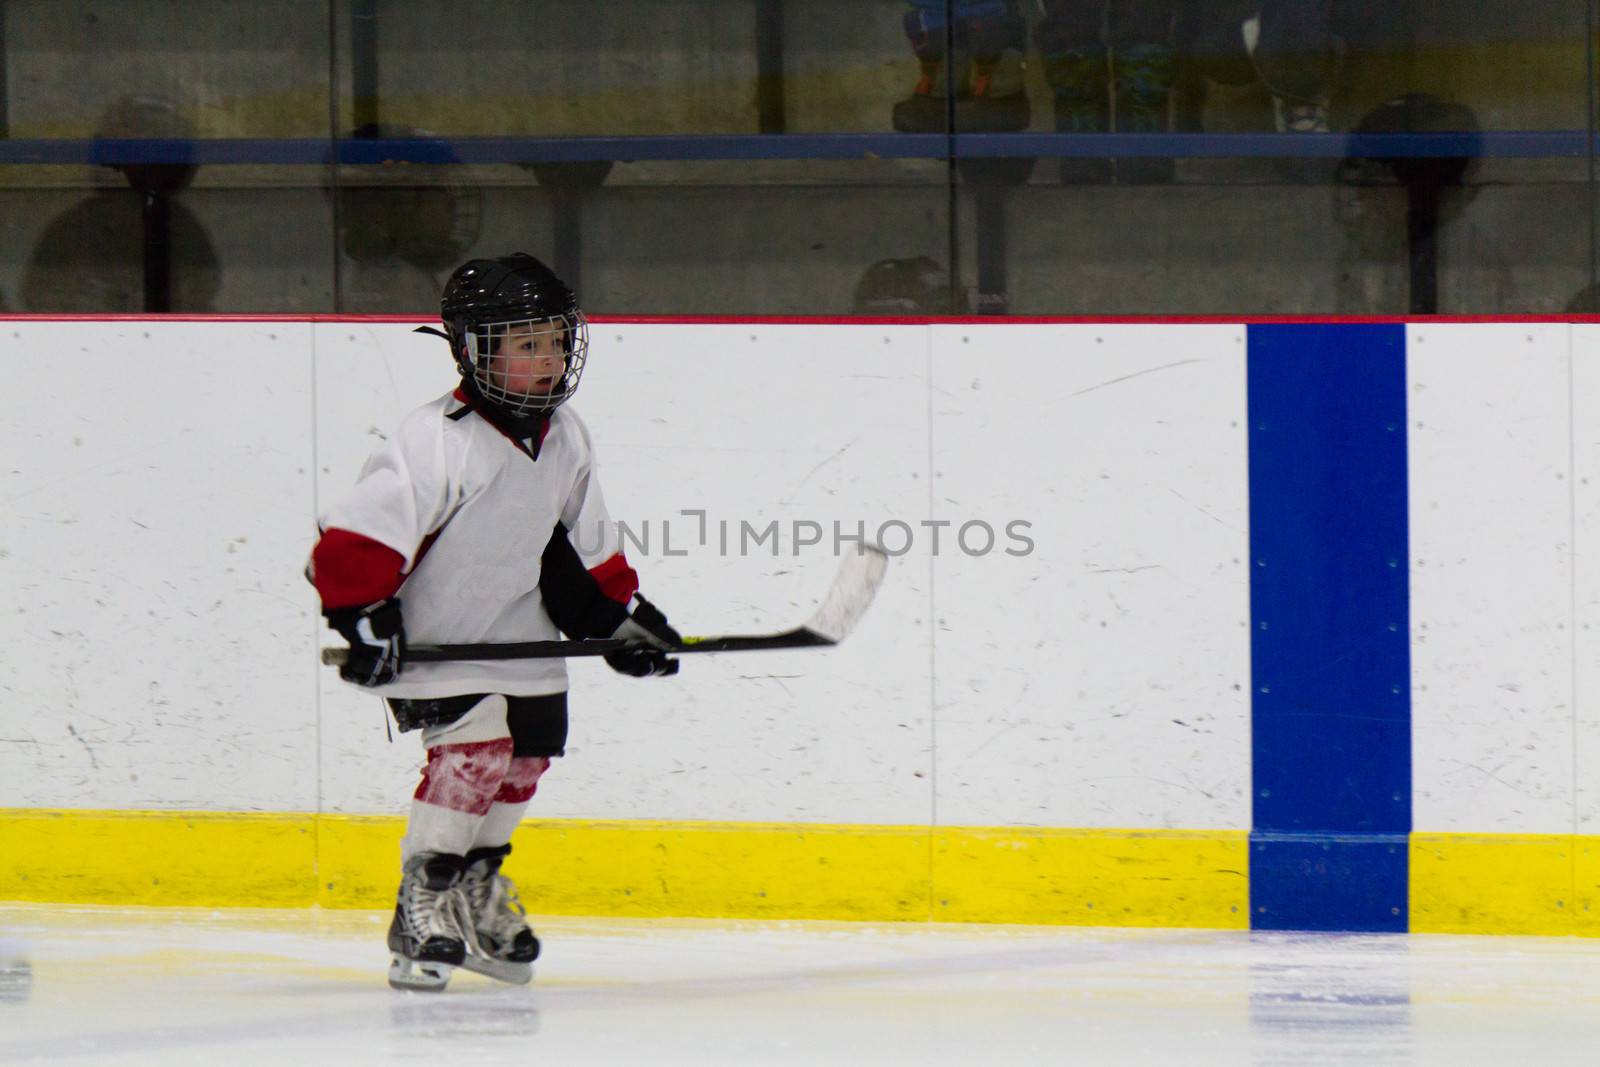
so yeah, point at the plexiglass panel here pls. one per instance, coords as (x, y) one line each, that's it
(792, 156)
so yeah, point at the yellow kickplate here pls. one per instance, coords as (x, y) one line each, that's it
(1093, 877)
(1504, 884)
(192, 858)
(644, 868)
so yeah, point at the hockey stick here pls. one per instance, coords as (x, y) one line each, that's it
(846, 601)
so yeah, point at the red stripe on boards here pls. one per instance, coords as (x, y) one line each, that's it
(848, 320)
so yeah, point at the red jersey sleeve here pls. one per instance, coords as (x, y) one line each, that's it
(350, 570)
(617, 580)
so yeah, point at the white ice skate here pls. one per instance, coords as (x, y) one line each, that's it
(499, 943)
(426, 936)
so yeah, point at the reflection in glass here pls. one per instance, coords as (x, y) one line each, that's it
(138, 249)
(403, 227)
(962, 124)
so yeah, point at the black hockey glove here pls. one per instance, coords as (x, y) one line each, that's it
(648, 626)
(377, 636)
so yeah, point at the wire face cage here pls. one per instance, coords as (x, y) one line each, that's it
(529, 365)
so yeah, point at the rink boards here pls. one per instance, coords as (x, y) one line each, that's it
(1279, 624)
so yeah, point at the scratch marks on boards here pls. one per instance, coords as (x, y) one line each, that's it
(1136, 374)
(847, 446)
(86, 746)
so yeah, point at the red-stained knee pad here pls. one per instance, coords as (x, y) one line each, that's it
(466, 777)
(522, 779)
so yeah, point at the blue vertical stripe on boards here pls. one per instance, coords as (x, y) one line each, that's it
(1330, 627)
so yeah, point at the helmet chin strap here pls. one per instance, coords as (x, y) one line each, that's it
(433, 330)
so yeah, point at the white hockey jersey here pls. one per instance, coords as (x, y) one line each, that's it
(471, 512)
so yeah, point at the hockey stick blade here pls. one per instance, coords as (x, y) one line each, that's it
(850, 595)
(841, 609)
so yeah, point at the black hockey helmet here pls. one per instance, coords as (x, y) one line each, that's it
(487, 301)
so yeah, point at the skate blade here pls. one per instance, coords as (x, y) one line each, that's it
(420, 977)
(500, 970)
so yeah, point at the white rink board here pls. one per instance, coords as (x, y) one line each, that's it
(1586, 573)
(1103, 680)
(157, 494)
(1491, 577)
(160, 492)
(758, 423)
(755, 424)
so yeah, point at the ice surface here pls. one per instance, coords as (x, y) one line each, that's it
(178, 986)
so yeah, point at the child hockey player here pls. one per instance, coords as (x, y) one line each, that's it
(481, 520)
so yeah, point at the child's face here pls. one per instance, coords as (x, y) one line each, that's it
(530, 359)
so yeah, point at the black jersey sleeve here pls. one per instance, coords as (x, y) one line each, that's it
(571, 594)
